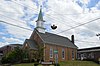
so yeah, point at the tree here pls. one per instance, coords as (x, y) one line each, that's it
(13, 56)
(38, 54)
(26, 55)
(19, 54)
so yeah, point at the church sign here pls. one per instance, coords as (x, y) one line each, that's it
(56, 51)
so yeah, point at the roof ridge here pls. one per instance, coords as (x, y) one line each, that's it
(55, 34)
(58, 35)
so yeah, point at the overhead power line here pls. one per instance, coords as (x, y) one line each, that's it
(55, 13)
(76, 26)
(32, 30)
(60, 14)
(57, 20)
(24, 5)
(74, 13)
(13, 19)
(50, 17)
(31, 8)
(50, 14)
(63, 22)
(15, 25)
(79, 25)
(9, 12)
(56, 33)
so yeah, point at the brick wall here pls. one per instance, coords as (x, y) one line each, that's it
(37, 38)
(68, 52)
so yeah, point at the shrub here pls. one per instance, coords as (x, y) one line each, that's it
(4, 60)
(15, 56)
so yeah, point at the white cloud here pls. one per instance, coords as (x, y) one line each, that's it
(12, 40)
(19, 32)
(63, 13)
(16, 31)
(14, 19)
(60, 14)
(11, 14)
(86, 1)
(98, 4)
(3, 43)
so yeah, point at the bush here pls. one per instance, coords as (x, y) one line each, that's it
(15, 56)
(4, 60)
(56, 64)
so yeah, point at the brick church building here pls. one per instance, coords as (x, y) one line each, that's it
(55, 45)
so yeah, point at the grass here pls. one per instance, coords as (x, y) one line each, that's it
(68, 63)
(79, 63)
(24, 64)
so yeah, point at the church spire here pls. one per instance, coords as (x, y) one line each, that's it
(40, 22)
(40, 16)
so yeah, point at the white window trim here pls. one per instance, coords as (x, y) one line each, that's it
(73, 55)
(62, 53)
(51, 49)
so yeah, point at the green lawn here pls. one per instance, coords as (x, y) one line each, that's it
(68, 63)
(24, 64)
(79, 63)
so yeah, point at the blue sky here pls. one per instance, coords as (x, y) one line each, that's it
(60, 12)
(90, 4)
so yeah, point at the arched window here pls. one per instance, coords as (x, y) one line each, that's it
(51, 52)
(63, 54)
(72, 55)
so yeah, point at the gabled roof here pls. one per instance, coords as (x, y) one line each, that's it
(31, 44)
(56, 40)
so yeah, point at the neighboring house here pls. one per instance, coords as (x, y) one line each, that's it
(8, 48)
(89, 53)
(55, 45)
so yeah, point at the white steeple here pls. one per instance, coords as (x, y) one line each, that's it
(40, 22)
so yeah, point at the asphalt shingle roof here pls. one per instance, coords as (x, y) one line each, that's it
(91, 48)
(31, 44)
(56, 39)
